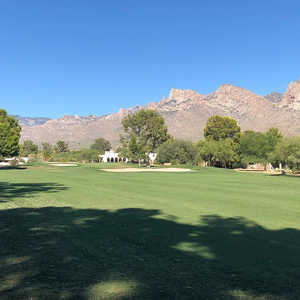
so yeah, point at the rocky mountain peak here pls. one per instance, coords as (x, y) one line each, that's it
(231, 96)
(231, 90)
(185, 113)
(28, 121)
(291, 97)
(182, 95)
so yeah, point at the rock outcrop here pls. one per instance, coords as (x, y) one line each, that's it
(291, 97)
(274, 97)
(26, 121)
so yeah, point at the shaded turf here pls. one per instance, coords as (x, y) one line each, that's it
(79, 233)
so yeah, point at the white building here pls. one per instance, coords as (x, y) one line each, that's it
(112, 156)
(152, 157)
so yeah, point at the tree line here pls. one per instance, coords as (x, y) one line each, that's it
(224, 144)
(10, 146)
(61, 151)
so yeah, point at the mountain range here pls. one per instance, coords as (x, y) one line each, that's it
(185, 113)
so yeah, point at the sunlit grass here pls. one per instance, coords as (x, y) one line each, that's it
(79, 233)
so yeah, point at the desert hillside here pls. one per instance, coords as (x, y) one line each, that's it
(185, 112)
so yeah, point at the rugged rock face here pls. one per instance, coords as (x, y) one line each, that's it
(185, 113)
(183, 95)
(291, 98)
(23, 121)
(274, 97)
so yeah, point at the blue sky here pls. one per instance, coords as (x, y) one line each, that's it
(92, 56)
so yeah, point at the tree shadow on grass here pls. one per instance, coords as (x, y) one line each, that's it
(13, 168)
(65, 253)
(10, 190)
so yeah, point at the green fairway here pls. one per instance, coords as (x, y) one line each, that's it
(82, 233)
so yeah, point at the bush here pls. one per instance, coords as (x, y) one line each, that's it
(287, 152)
(88, 155)
(176, 152)
(47, 151)
(175, 162)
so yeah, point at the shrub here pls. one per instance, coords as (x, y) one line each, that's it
(287, 152)
(88, 155)
(176, 151)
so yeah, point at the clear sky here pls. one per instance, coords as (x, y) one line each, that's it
(93, 56)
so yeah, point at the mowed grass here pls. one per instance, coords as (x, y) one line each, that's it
(81, 233)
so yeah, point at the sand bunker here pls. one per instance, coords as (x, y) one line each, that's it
(147, 170)
(64, 165)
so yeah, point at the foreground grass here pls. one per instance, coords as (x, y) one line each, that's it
(80, 233)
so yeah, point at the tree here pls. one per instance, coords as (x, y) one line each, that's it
(220, 153)
(256, 146)
(221, 128)
(176, 151)
(9, 135)
(287, 153)
(101, 145)
(88, 155)
(61, 146)
(131, 149)
(207, 151)
(226, 153)
(253, 147)
(28, 147)
(148, 127)
(47, 151)
(144, 131)
(273, 136)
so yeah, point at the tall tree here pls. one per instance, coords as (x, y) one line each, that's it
(101, 145)
(144, 131)
(9, 135)
(221, 128)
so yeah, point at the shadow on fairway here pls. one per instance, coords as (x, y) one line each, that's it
(64, 253)
(10, 190)
(13, 168)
